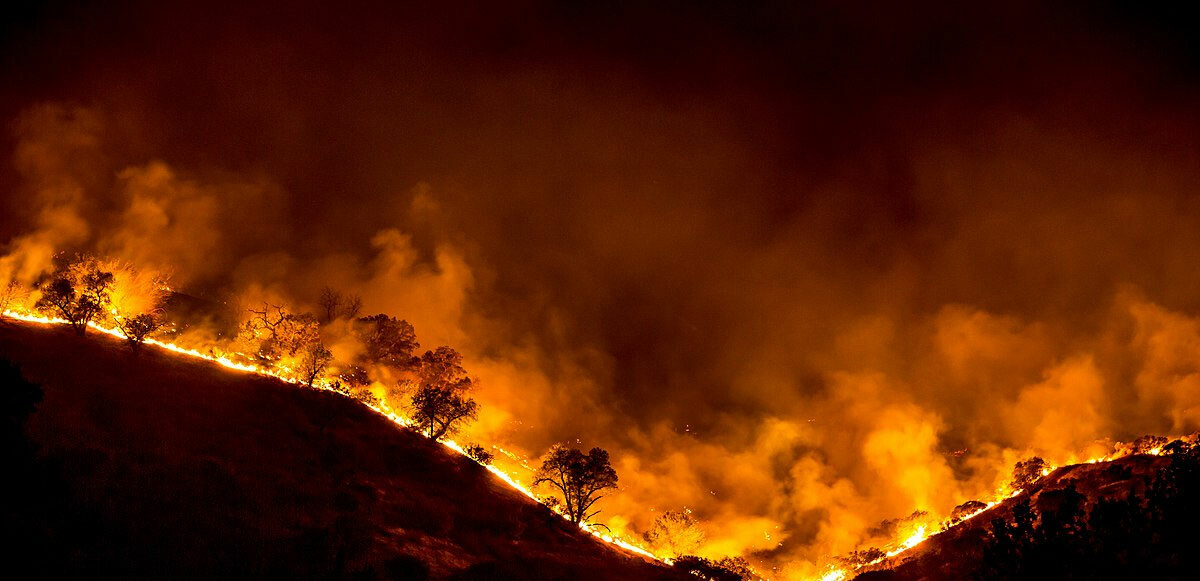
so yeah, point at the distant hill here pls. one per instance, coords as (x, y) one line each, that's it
(1135, 517)
(162, 467)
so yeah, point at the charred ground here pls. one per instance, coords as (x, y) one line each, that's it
(153, 466)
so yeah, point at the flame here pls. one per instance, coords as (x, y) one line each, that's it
(914, 538)
(381, 408)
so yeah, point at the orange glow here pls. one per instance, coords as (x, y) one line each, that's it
(382, 409)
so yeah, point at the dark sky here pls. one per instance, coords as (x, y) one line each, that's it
(905, 219)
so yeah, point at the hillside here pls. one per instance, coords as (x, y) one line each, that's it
(1131, 517)
(170, 467)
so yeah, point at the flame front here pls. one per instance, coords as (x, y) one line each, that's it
(381, 408)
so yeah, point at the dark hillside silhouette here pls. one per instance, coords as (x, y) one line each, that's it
(172, 468)
(1132, 518)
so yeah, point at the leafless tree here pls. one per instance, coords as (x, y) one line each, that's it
(331, 302)
(274, 331)
(9, 295)
(352, 306)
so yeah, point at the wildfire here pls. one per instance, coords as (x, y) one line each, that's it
(380, 408)
(915, 536)
(920, 534)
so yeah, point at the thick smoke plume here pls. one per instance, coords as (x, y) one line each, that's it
(794, 288)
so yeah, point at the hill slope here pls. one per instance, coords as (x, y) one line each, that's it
(1131, 517)
(174, 468)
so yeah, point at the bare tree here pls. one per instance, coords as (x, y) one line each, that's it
(675, 533)
(78, 295)
(266, 321)
(352, 306)
(273, 331)
(579, 478)
(10, 294)
(138, 328)
(331, 303)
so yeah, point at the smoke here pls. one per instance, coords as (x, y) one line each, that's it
(795, 288)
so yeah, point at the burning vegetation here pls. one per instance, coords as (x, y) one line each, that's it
(429, 393)
(826, 284)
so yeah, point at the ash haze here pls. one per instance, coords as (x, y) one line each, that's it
(799, 269)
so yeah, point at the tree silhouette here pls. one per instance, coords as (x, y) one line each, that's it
(1027, 472)
(440, 411)
(138, 328)
(727, 569)
(479, 454)
(78, 294)
(579, 478)
(440, 404)
(388, 341)
(273, 332)
(1149, 533)
(313, 362)
(336, 305)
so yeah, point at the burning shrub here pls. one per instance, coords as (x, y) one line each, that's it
(1181, 446)
(863, 557)
(78, 294)
(889, 528)
(1027, 472)
(11, 295)
(479, 454)
(578, 477)
(675, 533)
(1148, 445)
(727, 569)
(550, 502)
(137, 328)
(354, 376)
(339, 387)
(965, 510)
(365, 396)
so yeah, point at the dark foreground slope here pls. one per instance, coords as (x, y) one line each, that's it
(1137, 517)
(160, 466)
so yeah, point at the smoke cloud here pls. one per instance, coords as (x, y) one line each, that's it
(797, 283)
